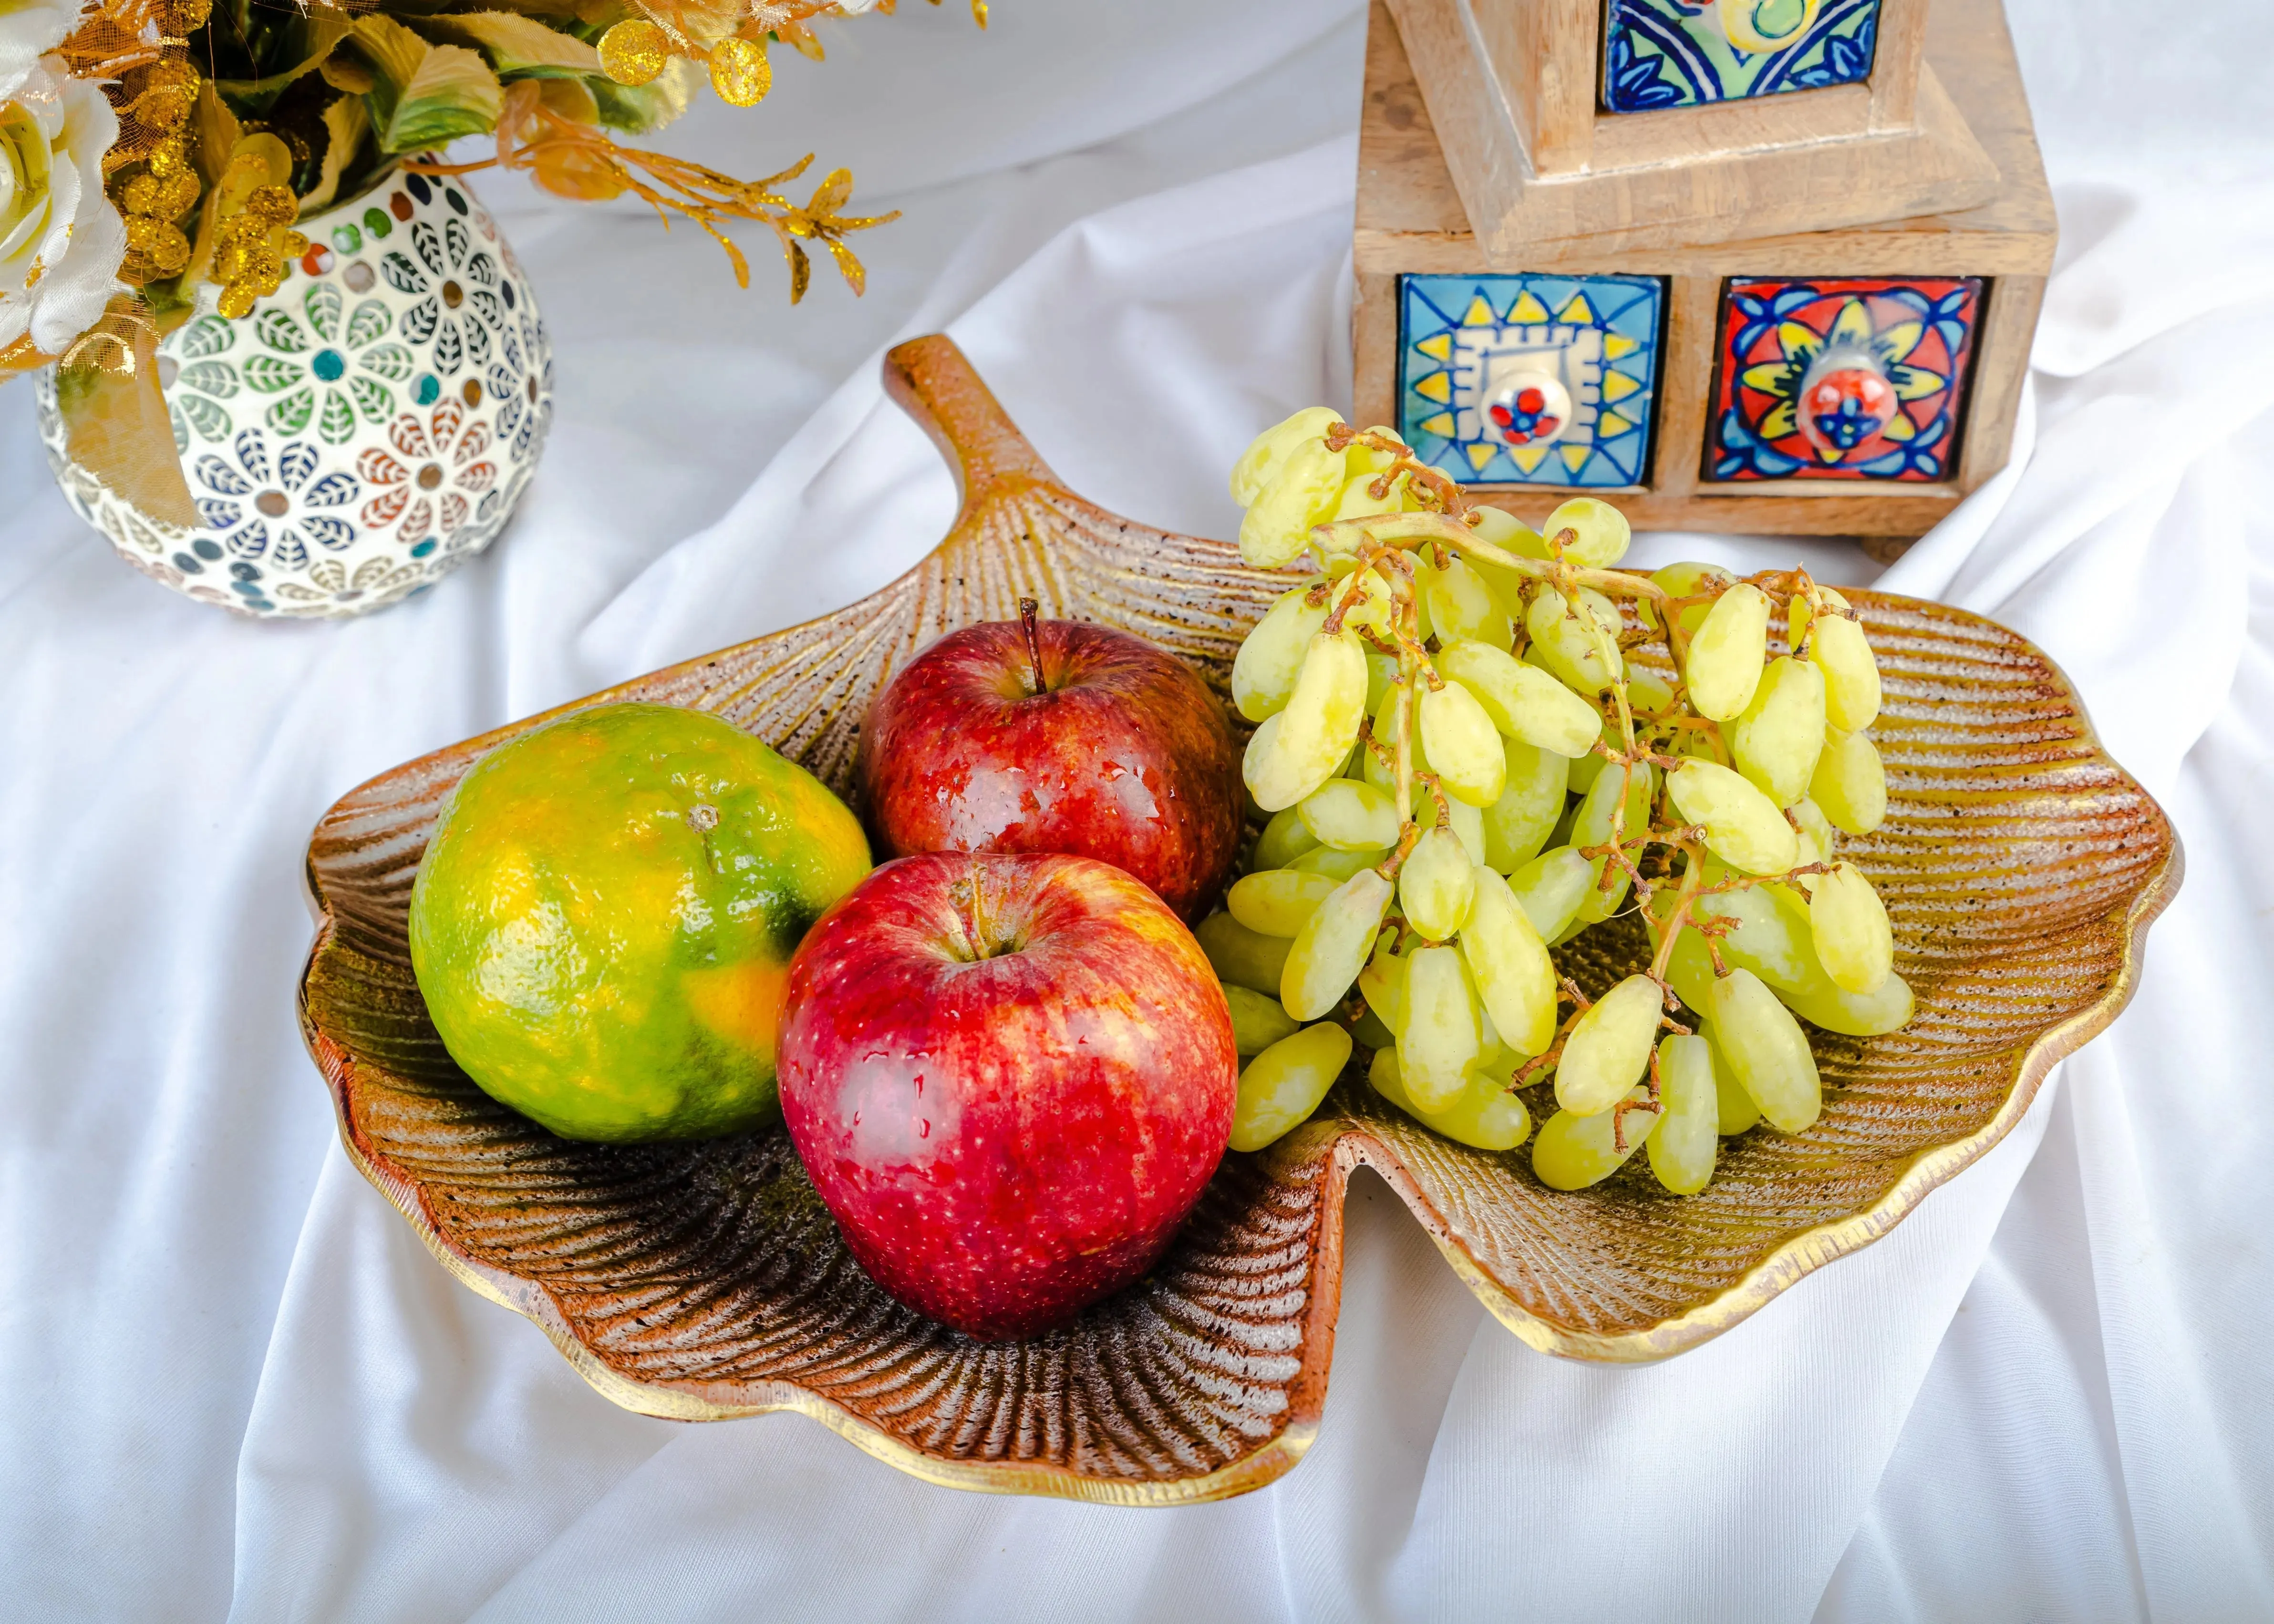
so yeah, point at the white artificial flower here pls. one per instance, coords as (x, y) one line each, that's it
(61, 241)
(29, 29)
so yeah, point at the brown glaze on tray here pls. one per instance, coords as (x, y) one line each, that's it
(2021, 866)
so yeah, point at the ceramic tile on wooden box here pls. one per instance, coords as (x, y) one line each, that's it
(1827, 378)
(1680, 53)
(1530, 379)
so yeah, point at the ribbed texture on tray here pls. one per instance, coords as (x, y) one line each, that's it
(2018, 864)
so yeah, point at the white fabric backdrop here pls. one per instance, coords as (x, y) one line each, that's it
(232, 1383)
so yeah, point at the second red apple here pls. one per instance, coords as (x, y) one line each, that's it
(1057, 736)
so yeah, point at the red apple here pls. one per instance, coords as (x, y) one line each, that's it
(1057, 736)
(1009, 1078)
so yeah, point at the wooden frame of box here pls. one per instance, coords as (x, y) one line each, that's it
(1411, 225)
(1511, 86)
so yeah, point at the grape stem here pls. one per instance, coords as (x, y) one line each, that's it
(1554, 1053)
(1651, 1105)
(1401, 769)
(1346, 536)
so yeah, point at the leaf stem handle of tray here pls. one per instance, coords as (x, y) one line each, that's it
(937, 386)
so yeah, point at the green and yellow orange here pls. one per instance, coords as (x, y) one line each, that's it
(605, 917)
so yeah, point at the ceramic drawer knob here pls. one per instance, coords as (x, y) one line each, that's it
(1845, 399)
(1531, 409)
(360, 432)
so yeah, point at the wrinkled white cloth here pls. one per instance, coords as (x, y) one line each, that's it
(236, 1386)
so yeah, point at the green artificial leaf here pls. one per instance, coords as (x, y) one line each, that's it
(519, 47)
(424, 96)
(640, 109)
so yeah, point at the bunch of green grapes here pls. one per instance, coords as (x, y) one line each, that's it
(1465, 763)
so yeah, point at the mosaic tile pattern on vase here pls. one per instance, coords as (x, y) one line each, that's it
(360, 432)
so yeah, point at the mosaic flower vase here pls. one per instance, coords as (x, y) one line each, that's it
(361, 432)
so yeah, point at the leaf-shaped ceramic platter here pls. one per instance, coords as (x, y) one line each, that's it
(2022, 867)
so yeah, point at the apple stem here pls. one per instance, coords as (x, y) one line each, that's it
(1028, 609)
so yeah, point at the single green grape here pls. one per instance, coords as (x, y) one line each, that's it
(1463, 607)
(1647, 692)
(1683, 1146)
(1304, 489)
(1463, 746)
(1686, 580)
(1508, 963)
(1851, 783)
(1816, 837)
(1602, 899)
(1592, 824)
(1550, 889)
(1742, 826)
(1767, 1050)
(1767, 935)
(1599, 532)
(1776, 739)
(1275, 902)
(1726, 652)
(1284, 839)
(1855, 1015)
(1441, 1037)
(1358, 500)
(1517, 826)
(1852, 935)
(1257, 1019)
(1609, 1047)
(1571, 1151)
(1283, 1085)
(1842, 651)
(1242, 957)
(1484, 1115)
(1331, 948)
(1567, 648)
(1263, 672)
(1382, 983)
(1437, 884)
(1522, 700)
(1350, 816)
(1299, 749)
(1734, 1109)
(1268, 451)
